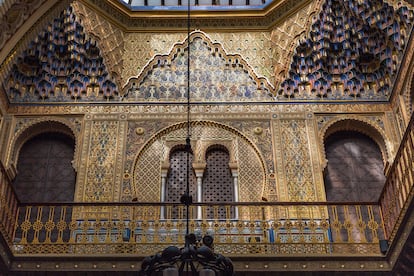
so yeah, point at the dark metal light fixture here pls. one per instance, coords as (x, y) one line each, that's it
(197, 256)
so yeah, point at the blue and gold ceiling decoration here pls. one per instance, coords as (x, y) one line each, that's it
(62, 64)
(352, 52)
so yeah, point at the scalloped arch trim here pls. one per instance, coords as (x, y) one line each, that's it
(35, 128)
(359, 125)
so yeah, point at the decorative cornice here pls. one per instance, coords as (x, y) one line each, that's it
(170, 20)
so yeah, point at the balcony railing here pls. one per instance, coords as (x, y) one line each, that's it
(239, 229)
(143, 228)
(398, 189)
(8, 206)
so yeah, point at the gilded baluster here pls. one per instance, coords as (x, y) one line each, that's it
(162, 231)
(49, 225)
(228, 216)
(276, 228)
(61, 225)
(204, 224)
(156, 231)
(37, 225)
(373, 224)
(312, 226)
(133, 227)
(241, 226)
(348, 224)
(216, 228)
(144, 229)
(181, 229)
(300, 225)
(361, 224)
(168, 212)
(288, 226)
(108, 226)
(264, 227)
(168, 232)
(119, 229)
(325, 227)
(229, 227)
(336, 225)
(181, 212)
(73, 227)
(26, 225)
(85, 227)
(96, 230)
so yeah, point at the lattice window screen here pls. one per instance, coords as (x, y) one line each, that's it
(177, 179)
(218, 183)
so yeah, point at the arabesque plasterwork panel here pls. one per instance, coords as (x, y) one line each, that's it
(293, 152)
(254, 47)
(110, 37)
(138, 133)
(259, 133)
(284, 37)
(102, 160)
(215, 75)
(141, 47)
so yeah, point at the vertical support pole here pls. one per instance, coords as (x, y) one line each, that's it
(199, 194)
(163, 193)
(236, 192)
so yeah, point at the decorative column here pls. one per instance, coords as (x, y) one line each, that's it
(235, 173)
(199, 168)
(164, 173)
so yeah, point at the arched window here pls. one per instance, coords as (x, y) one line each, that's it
(355, 170)
(177, 179)
(44, 169)
(218, 182)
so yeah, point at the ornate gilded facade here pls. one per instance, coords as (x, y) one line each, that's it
(267, 87)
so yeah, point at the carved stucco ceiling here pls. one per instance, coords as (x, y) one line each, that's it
(325, 50)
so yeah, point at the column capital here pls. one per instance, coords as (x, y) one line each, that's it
(165, 166)
(199, 168)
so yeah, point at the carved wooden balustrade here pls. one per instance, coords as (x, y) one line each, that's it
(8, 206)
(398, 189)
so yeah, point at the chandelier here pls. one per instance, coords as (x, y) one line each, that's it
(197, 256)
